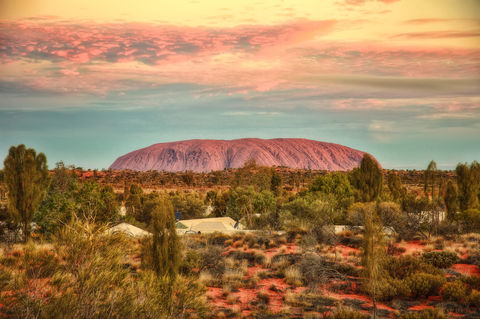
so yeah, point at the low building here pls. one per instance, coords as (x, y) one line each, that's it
(129, 230)
(208, 225)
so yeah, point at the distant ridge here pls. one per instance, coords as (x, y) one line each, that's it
(214, 155)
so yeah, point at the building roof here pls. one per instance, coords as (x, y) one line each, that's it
(130, 230)
(209, 225)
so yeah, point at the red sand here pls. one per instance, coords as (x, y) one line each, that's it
(283, 249)
(253, 270)
(420, 307)
(466, 269)
(358, 297)
(412, 247)
(346, 250)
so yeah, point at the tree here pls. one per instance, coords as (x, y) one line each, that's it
(96, 202)
(468, 181)
(451, 200)
(162, 251)
(27, 179)
(368, 179)
(430, 177)
(276, 183)
(134, 200)
(395, 186)
(373, 252)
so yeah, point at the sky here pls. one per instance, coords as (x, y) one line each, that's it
(86, 81)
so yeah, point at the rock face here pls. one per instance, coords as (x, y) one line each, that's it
(214, 155)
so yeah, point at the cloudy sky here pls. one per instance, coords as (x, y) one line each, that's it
(86, 81)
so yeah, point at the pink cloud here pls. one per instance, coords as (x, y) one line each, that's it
(150, 44)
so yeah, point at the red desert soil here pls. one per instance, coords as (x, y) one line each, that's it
(215, 155)
(358, 297)
(466, 269)
(412, 247)
(420, 307)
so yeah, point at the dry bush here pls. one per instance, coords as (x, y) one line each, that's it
(293, 276)
(263, 297)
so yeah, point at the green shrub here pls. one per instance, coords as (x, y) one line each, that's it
(422, 284)
(455, 291)
(425, 314)
(403, 266)
(440, 259)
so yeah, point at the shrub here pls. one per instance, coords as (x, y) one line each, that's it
(474, 298)
(263, 296)
(293, 276)
(218, 239)
(39, 263)
(425, 314)
(345, 313)
(440, 259)
(192, 260)
(402, 266)
(5, 277)
(211, 259)
(455, 291)
(422, 284)
(472, 281)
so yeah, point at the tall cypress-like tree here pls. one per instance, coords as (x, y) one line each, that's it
(430, 177)
(468, 181)
(451, 200)
(395, 185)
(368, 179)
(165, 245)
(27, 179)
(373, 252)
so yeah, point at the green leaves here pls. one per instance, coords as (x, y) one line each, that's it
(27, 179)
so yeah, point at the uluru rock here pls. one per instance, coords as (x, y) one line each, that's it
(214, 155)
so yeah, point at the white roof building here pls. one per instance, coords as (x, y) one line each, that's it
(129, 230)
(208, 225)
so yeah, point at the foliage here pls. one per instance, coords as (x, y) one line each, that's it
(440, 259)
(345, 313)
(161, 252)
(96, 202)
(451, 200)
(470, 220)
(430, 177)
(425, 314)
(404, 266)
(337, 185)
(395, 186)
(367, 179)
(468, 181)
(424, 285)
(27, 178)
(256, 208)
(455, 291)
(134, 202)
(373, 252)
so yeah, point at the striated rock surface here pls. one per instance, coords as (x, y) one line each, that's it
(214, 155)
